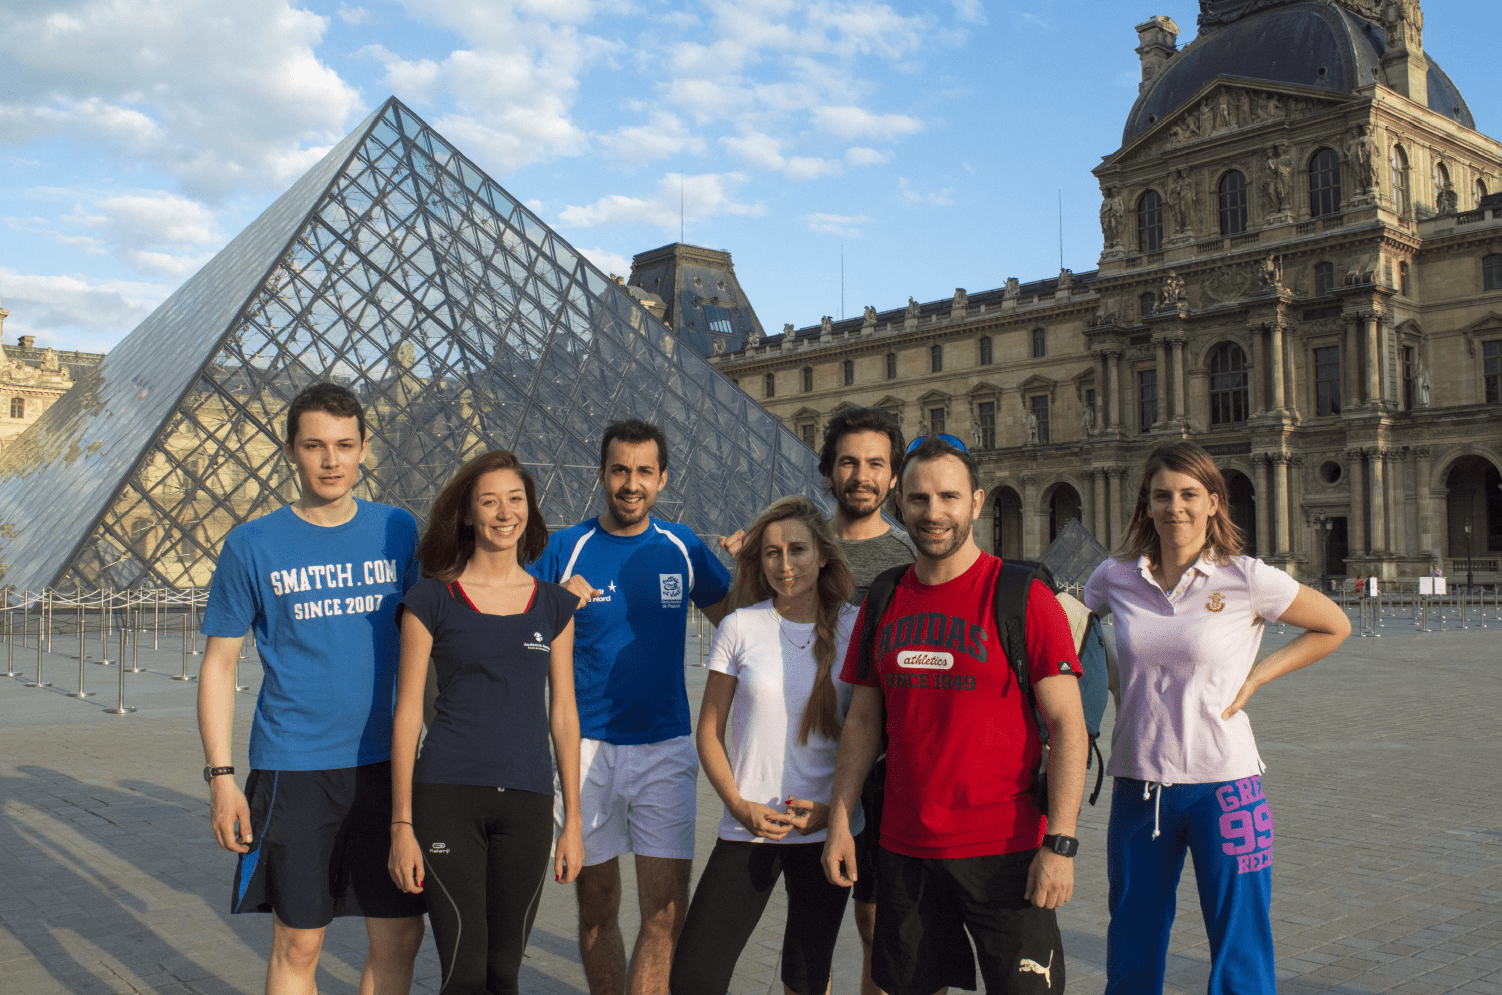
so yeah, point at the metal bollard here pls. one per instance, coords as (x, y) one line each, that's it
(82, 636)
(193, 607)
(156, 618)
(105, 625)
(121, 708)
(47, 618)
(10, 644)
(185, 676)
(238, 685)
(38, 683)
(135, 647)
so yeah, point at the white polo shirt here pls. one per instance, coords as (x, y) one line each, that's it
(1183, 657)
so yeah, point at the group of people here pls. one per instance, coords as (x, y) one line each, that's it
(477, 702)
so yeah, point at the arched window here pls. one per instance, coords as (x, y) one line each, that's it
(1150, 222)
(936, 359)
(891, 366)
(1228, 385)
(1480, 192)
(1148, 302)
(808, 379)
(1400, 199)
(1040, 343)
(1324, 279)
(1491, 273)
(849, 372)
(771, 381)
(1324, 183)
(18, 406)
(1232, 192)
(1440, 177)
(986, 358)
(1403, 287)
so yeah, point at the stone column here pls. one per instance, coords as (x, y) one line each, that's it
(1032, 542)
(1373, 362)
(1350, 362)
(1280, 502)
(1113, 359)
(1115, 489)
(1259, 370)
(1264, 500)
(1179, 410)
(1397, 487)
(1377, 500)
(1425, 503)
(1103, 406)
(1160, 357)
(1356, 527)
(1291, 371)
(1275, 366)
(1098, 486)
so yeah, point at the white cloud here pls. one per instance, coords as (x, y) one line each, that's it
(70, 309)
(219, 96)
(939, 199)
(353, 15)
(970, 11)
(857, 122)
(607, 261)
(153, 232)
(703, 196)
(836, 224)
(665, 135)
(858, 155)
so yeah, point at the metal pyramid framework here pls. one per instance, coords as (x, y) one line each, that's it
(397, 267)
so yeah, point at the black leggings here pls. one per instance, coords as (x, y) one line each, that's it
(486, 852)
(729, 902)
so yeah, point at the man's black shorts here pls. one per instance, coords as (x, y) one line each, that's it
(925, 906)
(319, 844)
(869, 839)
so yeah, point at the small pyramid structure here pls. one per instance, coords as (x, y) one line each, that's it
(395, 266)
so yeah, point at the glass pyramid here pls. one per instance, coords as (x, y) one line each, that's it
(397, 267)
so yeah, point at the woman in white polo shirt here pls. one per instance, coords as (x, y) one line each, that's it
(1190, 611)
(776, 660)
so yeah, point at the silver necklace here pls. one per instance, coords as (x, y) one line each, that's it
(803, 645)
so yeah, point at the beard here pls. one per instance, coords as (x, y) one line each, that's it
(624, 515)
(858, 502)
(945, 546)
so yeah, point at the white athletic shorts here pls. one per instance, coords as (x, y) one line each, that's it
(636, 799)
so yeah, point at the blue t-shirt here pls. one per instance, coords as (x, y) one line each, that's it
(490, 725)
(323, 605)
(628, 642)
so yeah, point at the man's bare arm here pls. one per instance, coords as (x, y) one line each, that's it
(229, 812)
(860, 739)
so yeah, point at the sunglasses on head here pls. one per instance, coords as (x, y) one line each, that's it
(949, 439)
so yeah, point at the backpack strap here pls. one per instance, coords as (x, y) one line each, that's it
(1012, 589)
(878, 597)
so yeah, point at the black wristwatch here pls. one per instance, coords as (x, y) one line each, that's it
(209, 773)
(1064, 846)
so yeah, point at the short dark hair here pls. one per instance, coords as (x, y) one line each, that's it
(448, 544)
(933, 448)
(330, 398)
(634, 430)
(858, 420)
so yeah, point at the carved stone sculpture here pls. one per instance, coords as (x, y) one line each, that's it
(787, 329)
(1271, 276)
(1404, 24)
(869, 317)
(719, 346)
(1111, 211)
(961, 300)
(1173, 293)
(1176, 199)
(826, 327)
(1421, 386)
(1087, 416)
(1275, 182)
(912, 308)
(49, 361)
(1032, 429)
(1013, 289)
(1447, 200)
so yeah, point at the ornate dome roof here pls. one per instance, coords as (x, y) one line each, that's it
(1314, 43)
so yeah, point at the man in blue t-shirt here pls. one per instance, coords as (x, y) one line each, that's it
(635, 576)
(318, 582)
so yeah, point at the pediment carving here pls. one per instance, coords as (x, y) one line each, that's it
(1224, 108)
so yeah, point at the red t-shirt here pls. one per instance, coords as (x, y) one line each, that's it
(963, 744)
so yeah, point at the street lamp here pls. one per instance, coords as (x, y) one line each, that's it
(1468, 580)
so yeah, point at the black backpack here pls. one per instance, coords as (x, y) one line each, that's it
(1012, 590)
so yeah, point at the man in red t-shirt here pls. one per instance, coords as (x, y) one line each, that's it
(963, 844)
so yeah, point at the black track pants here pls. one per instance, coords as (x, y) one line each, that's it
(486, 852)
(727, 905)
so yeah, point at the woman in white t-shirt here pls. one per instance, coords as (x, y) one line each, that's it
(1189, 612)
(777, 660)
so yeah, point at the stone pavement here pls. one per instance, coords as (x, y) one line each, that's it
(1383, 775)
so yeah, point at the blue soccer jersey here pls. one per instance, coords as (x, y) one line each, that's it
(322, 603)
(628, 641)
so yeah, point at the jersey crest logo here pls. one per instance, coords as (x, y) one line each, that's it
(671, 586)
(1026, 965)
(1216, 603)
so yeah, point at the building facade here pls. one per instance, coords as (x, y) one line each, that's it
(1301, 271)
(31, 381)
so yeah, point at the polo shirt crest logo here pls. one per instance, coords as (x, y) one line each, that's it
(671, 586)
(1216, 603)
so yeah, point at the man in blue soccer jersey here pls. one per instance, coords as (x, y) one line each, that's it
(318, 581)
(635, 576)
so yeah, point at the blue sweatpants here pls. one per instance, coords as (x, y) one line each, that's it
(1228, 829)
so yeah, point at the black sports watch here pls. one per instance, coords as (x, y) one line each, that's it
(209, 773)
(1064, 846)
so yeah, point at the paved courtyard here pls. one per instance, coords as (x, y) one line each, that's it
(1383, 774)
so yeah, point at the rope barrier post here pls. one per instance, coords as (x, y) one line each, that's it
(193, 607)
(38, 683)
(156, 618)
(238, 685)
(185, 676)
(82, 634)
(106, 620)
(121, 708)
(135, 641)
(10, 643)
(47, 618)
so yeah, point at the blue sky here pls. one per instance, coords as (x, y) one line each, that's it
(932, 142)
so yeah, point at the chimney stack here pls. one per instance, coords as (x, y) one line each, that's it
(1158, 37)
(1403, 61)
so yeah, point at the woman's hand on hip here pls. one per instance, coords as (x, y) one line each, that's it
(808, 817)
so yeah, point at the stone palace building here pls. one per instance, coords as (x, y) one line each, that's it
(1302, 271)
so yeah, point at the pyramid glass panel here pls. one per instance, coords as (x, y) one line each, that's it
(396, 267)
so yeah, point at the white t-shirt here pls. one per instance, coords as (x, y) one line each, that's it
(1183, 657)
(774, 676)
